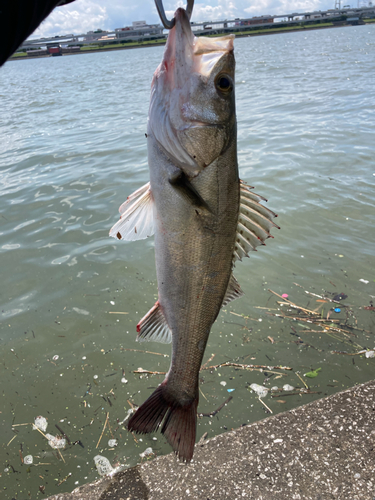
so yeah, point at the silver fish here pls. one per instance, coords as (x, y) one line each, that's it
(203, 217)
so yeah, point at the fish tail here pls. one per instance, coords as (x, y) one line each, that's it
(178, 422)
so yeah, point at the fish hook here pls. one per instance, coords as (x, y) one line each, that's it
(169, 24)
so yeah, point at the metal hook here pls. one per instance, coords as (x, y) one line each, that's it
(169, 24)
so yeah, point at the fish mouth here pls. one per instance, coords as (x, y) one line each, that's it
(186, 107)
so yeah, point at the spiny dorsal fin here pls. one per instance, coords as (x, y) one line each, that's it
(233, 291)
(153, 326)
(137, 219)
(254, 222)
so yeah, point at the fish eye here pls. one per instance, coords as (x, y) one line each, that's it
(224, 84)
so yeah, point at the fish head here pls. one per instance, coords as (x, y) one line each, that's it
(192, 109)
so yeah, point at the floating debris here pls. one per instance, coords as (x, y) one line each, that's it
(223, 383)
(260, 390)
(340, 296)
(337, 310)
(55, 357)
(364, 281)
(56, 442)
(112, 443)
(103, 465)
(313, 373)
(40, 423)
(287, 387)
(146, 453)
(28, 460)
(124, 381)
(370, 354)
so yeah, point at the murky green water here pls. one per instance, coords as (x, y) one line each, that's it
(73, 147)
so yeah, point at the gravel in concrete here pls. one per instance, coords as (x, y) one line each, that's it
(321, 451)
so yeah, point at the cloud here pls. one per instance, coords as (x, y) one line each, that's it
(85, 15)
(82, 16)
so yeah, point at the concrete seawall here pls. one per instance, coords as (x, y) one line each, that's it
(324, 450)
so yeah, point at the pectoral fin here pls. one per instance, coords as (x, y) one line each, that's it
(184, 187)
(137, 219)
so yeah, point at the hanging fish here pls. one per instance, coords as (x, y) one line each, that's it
(203, 217)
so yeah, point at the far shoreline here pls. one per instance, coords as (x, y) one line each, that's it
(270, 31)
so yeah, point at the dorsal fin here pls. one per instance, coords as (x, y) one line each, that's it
(254, 223)
(137, 218)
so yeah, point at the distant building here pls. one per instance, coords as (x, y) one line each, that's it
(253, 21)
(91, 36)
(139, 29)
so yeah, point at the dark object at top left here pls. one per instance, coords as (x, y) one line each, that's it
(19, 19)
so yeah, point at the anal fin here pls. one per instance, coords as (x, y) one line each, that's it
(233, 291)
(153, 326)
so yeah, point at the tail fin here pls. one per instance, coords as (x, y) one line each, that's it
(178, 422)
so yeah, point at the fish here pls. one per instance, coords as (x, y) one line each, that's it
(203, 216)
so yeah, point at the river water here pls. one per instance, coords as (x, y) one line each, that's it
(73, 147)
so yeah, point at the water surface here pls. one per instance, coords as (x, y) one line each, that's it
(73, 147)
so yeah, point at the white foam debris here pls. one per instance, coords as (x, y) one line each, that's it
(56, 442)
(288, 387)
(112, 443)
(223, 383)
(80, 311)
(364, 281)
(103, 465)
(28, 460)
(274, 388)
(370, 354)
(40, 423)
(146, 453)
(260, 390)
(124, 381)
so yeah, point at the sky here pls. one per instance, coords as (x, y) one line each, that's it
(81, 16)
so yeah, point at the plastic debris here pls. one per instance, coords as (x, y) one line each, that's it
(41, 423)
(230, 390)
(288, 387)
(285, 295)
(364, 281)
(55, 357)
(146, 453)
(112, 443)
(274, 388)
(223, 383)
(103, 465)
(370, 354)
(313, 373)
(337, 310)
(28, 460)
(260, 390)
(56, 442)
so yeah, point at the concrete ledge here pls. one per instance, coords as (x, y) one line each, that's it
(321, 451)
